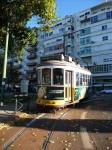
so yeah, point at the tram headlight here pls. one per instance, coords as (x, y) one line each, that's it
(45, 96)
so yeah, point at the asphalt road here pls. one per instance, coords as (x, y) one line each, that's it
(85, 127)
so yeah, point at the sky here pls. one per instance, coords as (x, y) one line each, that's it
(68, 7)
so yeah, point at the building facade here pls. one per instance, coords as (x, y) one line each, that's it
(60, 39)
(94, 45)
(86, 35)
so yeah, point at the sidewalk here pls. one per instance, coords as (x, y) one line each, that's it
(8, 113)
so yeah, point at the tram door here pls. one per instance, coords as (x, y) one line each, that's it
(68, 86)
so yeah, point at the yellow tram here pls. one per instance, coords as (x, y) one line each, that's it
(61, 83)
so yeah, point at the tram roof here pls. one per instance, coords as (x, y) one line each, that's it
(61, 63)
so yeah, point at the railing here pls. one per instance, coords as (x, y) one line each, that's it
(32, 56)
(31, 63)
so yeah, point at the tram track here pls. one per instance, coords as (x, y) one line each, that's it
(51, 131)
(28, 125)
(53, 120)
(13, 139)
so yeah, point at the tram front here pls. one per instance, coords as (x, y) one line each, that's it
(50, 87)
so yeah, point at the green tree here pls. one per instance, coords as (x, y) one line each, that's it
(18, 13)
(12, 72)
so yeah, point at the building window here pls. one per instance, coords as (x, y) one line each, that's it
(102, 9)
(58, 24)
(42, 36)
(82, 41)
(94, 19)
(46, 34)
(58, 47)
(51, 33)
(59, 40)
(87, 13)
(77, 35)
(61, 30)
(104, 38)
(102, 17)
(85, 31)
(104, 27)
(85, 50)
(109, 15)
(69, 36)
(107, 59)
(101, 68)
(82, 16)
(85, 40)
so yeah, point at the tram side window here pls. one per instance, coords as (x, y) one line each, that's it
(89, 80)
(46, 76)
(81, 78)
(84, 79)
(39, 77)
(77, 79)
(58, 76)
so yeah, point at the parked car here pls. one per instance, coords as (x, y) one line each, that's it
(106, 91)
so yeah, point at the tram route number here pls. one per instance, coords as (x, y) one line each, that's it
(56, 91)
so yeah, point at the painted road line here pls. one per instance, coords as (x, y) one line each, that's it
(83, 116)
(85, 139)
(85, 136)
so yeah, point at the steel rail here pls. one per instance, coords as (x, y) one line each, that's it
(51, 131)
(21, 132)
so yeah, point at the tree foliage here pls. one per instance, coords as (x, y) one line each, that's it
(18, 13)
(12, 72)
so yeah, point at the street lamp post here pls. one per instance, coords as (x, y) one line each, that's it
(5, 63)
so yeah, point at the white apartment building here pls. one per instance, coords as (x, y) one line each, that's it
(94, 42)
(59, 40)
(86, 35)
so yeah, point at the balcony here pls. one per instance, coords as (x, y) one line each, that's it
(32, 50)
(30, 71)
(18, 66)
(31, 64)
(32, 56)
(85, 19)
(20, 72)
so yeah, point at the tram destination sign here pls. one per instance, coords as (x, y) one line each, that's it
(56, 91)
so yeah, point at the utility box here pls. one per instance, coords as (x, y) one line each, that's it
(24, 86)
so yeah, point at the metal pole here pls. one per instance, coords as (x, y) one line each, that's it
(5, 63)
(15, 107)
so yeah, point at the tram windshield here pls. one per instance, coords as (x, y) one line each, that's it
(46, 76)
(58, 76)
(39, 77)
